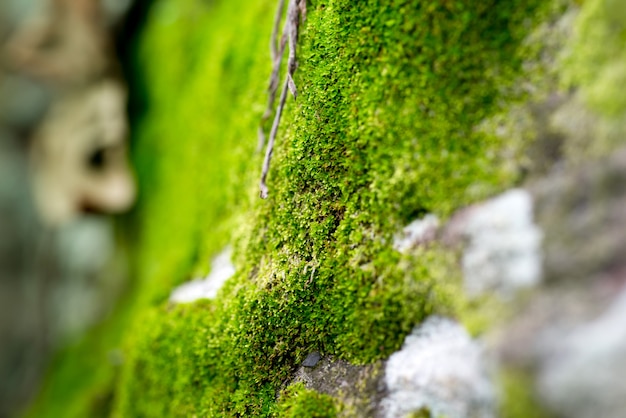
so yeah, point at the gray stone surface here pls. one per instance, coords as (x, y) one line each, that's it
(360, 389)
(312, 359)
(418, 232)
(570, 333)
(503, 252)
(583, 211)
(583, 367)
(439, 368)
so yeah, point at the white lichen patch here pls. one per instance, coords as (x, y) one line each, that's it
(417, 232)
(439, 368)
(583, 369)
(503, 251)
(221, 270)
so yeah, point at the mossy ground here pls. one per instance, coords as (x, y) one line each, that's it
(384, 129)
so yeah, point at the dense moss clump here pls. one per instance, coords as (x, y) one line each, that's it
(297, 401)
(384, 130)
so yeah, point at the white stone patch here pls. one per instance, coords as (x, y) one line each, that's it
(503, 252)
(440, 368)
(221, 270)
(583, 370)
(418, 231)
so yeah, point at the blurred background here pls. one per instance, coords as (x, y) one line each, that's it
(64, 173)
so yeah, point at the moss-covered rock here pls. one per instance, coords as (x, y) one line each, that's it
(386, 127)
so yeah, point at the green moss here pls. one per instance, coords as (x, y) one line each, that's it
(82, 378)
(422, 413)
(296, 401)
(600, 70)
(518, 397)
(384, 129)
(481, 314)
(594, 63)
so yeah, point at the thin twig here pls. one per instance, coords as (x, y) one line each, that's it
(295, 11)
(276, 55)
(277, 18)
(302, 7)
(270, 144)
(293, 17)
